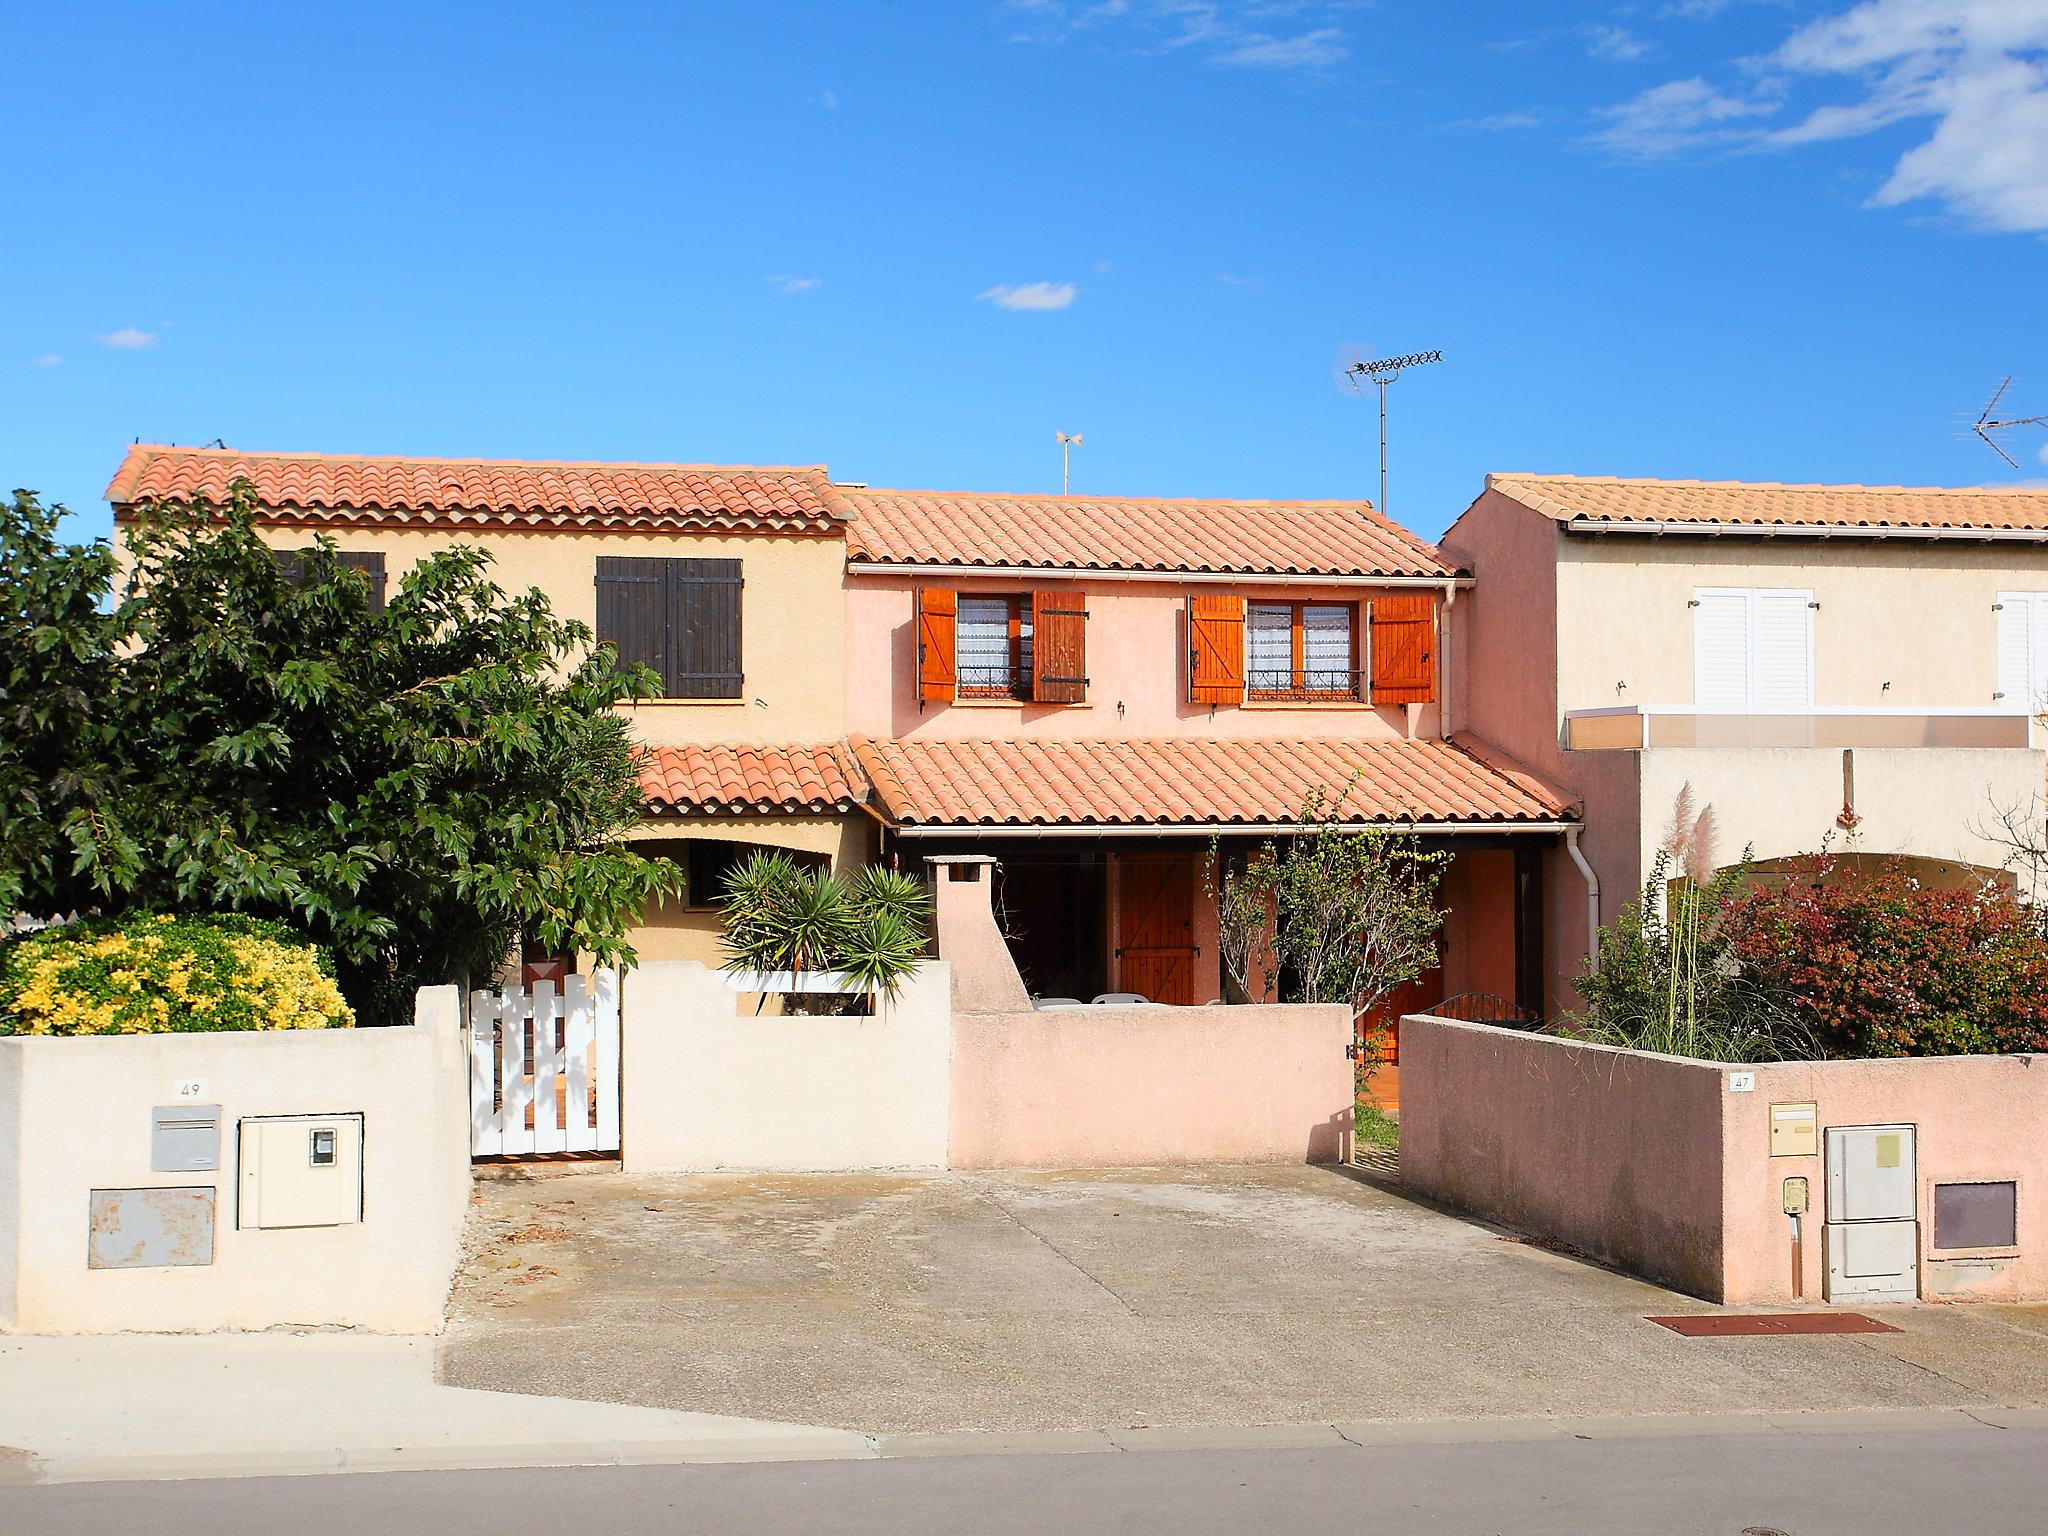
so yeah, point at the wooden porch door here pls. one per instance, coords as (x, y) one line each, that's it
(1155, 926)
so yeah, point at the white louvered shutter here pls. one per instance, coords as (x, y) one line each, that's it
(1781, 662)
(2019, 617)
(1720, 650)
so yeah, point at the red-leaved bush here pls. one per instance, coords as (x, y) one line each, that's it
(1881, 965)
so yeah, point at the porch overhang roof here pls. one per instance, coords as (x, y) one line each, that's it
(739, 779)
(1188, 784)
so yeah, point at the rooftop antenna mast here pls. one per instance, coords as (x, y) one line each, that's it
(1986, 424)
(1069, 441)
(1354, 370)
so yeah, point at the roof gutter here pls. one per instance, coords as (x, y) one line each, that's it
(1118, 573)
(1220, 829)
(1808, 531)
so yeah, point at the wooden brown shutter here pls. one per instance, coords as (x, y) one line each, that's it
(938, 677)
(704, 629)
(371, 563)
(1215, 650)
(1059, 647)
(1404, 648)
(633, 611)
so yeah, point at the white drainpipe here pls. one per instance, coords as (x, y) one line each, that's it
(1443, 660)
(1571, 846)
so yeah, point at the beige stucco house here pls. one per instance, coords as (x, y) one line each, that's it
(1860, 665)
(726, 580)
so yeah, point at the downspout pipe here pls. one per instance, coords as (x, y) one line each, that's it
(1571, 846)
(1443, 660)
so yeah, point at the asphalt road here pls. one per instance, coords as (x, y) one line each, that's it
(1910, 1483)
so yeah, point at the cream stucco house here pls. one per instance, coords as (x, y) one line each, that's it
(1857, 664)
(726, 580)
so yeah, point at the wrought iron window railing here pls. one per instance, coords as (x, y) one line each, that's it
(1325, 685)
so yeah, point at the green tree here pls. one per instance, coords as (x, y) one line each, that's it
(416, 786)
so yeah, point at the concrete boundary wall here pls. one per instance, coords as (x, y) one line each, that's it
(1663, 1166)
(707, 1083)
(75, 1117)
(1615, 1153)
(1103, 1087)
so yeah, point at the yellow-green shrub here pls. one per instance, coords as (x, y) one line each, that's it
(153, 974)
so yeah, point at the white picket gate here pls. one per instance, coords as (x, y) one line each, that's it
(544, 1068)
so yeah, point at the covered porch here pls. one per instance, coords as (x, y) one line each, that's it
(1108, 850)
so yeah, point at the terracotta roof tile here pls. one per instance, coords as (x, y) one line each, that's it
(1110, 533)
(315, 488)
(761, 779)
(1195, 782)
(1604, 499)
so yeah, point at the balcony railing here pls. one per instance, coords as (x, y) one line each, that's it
(1635, 726)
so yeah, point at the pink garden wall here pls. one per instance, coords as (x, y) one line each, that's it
(1664, 1166)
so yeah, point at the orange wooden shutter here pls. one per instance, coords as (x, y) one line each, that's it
(937, 677)
(1404, 648)
(1216, 650)
(1059, 647)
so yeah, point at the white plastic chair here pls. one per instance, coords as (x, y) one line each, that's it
(1121, 1000)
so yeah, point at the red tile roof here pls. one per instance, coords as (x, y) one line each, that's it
(1111, 533)
(1719, 503)
(737, 779)
(1192, 782)
(352, 488)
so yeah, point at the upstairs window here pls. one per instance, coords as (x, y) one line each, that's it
(679, 616)
(295, 566)
(1301, 652)
(992, 646)
(981, 645)
(1752, 648)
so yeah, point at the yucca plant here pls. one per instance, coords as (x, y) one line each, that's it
(780, 916)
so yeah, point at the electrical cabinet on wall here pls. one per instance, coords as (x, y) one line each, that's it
(301, 1171)
(1873, 1227)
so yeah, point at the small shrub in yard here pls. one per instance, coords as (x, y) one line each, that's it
(1881, 965)
(156, 974)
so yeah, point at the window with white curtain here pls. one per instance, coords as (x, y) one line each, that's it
(1301, 652)
(1269, 647)
(992, 646)
(1752, 648)
(2022, 634)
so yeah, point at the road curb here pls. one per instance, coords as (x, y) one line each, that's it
(848, 1445)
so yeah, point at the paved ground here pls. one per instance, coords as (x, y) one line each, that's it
(1076, 1301)
(1984, 1482)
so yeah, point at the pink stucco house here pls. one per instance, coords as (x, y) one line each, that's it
(1093, 689)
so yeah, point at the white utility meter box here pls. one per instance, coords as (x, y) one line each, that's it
(1873, 1227)
(301, 1171)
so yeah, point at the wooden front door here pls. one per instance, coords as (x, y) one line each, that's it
(1155, 926)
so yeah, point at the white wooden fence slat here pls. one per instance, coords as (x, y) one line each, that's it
(517, 1068)
(486, 1139)
(516, 1096)
(580, 1034)
(547, 1070)
(605, 987)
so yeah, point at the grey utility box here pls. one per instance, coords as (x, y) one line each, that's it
(184, 1138)
(1873, 1227)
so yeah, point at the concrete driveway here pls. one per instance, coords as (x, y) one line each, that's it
(1164, 1297)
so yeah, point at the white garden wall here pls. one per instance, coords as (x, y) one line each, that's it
(708, 1083)
(75, 1118)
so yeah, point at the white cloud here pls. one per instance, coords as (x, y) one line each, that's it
(1501, 122)
(1976, 70)
(49, 360)
(130, 338)
(1030, 296)
(828, 99)
(795, 284)
(1101, 266)
(1677, 115)
(2044, 453)
(1617, 43)
(1246, 34)
(1240, 281)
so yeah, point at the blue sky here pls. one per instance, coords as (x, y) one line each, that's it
(1717, 238)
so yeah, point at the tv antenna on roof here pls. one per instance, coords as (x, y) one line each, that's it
(1354, 369)
(1986, 424)
(1069, 441)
